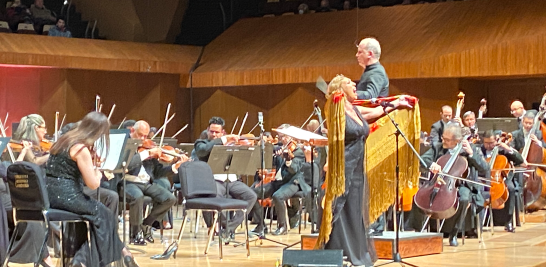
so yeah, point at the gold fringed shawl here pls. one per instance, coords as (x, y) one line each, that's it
(335, 177)
(381, 158)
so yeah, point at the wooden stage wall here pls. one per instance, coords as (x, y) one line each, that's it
(26, 90)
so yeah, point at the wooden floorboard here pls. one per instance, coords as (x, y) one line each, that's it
(523, 248)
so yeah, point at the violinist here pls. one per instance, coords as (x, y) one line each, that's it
(289, 180)
(504, 216)
(468, 192)
(143, 170)
(519, 136)
(438, 127)
(29, 134)
(236, 188)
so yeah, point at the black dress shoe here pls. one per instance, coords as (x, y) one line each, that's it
(147, 231)
(259, 230)
(453, 240)
(138, 240)
(510, 228)
(281, 230)
(129, 261)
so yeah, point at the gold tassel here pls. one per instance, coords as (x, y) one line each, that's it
(335, 177)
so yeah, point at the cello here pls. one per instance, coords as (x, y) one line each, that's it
(533, 156)
(498, 164)
(438, 198)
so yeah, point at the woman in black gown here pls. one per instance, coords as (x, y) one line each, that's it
(70, 165)
(349, 206)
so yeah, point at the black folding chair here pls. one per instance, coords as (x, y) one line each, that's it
(199, 192)
(31, 204)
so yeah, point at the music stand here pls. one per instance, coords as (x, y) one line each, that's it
(503, 124)
(236, 160)
(121, 152)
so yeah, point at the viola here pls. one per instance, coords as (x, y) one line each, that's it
(168, 153)
(438, 198)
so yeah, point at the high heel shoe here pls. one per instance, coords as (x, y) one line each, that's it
(171, 250)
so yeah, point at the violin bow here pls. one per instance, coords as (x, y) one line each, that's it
(111, 112)
(181, 130)
(243, 124)
(10, 152)
(56, 135)
(165, 125)
(6, 119)
(97, 103)
(235, 124)
(255, 125)
(62, 121)
(121, 123)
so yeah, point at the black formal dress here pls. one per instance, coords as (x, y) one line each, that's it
(65, 189)
(349, 231)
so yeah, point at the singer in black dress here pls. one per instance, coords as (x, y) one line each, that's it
(350, 218)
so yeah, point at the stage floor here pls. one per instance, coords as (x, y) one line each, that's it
(526, 247)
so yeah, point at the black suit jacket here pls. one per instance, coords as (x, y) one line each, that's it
(373, 82)
(294, 172)
(477, 166)
(436, 132)
(203, 147)
(518, 139)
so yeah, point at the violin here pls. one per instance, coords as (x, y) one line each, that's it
(46, 145)
(438, 198)
(168, 153)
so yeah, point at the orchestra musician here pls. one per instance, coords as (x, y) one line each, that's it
(237, 189)
(438, 127)
(517, 110)
(143, 170)
(468, 192)
(519, 136)
(504, 216)
(73, 161)
(289, 180)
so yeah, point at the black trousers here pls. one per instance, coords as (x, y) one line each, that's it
(279, 194)
(504, 215)
(236, 190)
(162, 200)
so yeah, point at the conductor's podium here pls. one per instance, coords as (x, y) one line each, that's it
(412, 244)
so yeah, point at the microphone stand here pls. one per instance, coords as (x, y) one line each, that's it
(396, 249)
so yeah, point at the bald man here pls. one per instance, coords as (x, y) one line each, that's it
(517, 110)
(438, 127)
(374, 81)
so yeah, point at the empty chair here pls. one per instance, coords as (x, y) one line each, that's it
(26, 28)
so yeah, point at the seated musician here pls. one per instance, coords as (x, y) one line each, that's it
(289, 179)
(143, 169)
(519, 136)
(468, 192)
(236, 188)
(504, 216)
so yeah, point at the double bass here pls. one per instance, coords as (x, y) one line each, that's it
(533, 155)
(438, 198)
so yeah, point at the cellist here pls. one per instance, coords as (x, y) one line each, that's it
(468, 192)
(504, 216)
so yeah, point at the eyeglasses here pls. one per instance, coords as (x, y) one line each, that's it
(42, 127)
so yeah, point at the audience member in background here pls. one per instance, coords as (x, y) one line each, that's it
(324, 6)
(42, 16)
(60, 29)
(17, 13)
(303, 9)
(347, 5)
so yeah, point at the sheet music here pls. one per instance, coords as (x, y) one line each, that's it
(300, 134)
(117, 141)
